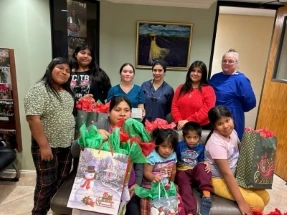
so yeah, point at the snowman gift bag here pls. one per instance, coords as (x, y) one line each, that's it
(103, 171)
(99, 182)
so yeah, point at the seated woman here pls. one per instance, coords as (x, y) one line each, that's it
(193, 99)
(126, 88)
(158, 93)
(120, 108)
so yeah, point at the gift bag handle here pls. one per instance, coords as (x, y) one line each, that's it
(166, 196)
(111, 147)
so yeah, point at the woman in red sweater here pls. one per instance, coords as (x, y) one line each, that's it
(193, 99)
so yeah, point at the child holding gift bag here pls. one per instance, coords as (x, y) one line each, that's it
(222, 152)
(162, 163)
(193, 170)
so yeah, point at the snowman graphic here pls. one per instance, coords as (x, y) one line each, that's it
(88, 180)
(85, 192)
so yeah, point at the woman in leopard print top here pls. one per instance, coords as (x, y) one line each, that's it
(49, 111)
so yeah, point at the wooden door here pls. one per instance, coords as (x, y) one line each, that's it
(273, 105)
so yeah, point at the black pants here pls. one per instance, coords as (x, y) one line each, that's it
(50, 176)
(133, 206)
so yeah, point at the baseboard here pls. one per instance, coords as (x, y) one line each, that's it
(21, 171)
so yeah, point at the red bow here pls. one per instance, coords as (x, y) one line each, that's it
(158, 123)
(88, 104)
(147, 148)
(263, 132)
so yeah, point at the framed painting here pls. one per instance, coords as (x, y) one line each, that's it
(165, 40)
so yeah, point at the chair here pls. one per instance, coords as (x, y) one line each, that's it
(7, 157)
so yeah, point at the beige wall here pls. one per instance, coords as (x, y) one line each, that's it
(251, 37)
(118, 36)
(25, 27)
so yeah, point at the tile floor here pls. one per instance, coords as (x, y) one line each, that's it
(16, 198)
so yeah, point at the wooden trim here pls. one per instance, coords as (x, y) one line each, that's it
(213, 42)
(15, 99)
(272, 107)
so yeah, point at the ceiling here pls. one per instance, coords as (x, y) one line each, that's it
(185, 3)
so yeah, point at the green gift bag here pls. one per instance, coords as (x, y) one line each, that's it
(256, 163)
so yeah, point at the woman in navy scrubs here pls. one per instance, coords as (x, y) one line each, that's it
(158, 93)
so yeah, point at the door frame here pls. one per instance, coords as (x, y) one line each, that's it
(236, 4)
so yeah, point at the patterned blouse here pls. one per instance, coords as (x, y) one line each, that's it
(56, 116)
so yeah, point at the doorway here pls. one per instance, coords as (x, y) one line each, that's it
(248, 31)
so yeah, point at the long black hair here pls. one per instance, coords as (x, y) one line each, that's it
(48, 80)
(187, 86)
(215, 114)
(97, 74)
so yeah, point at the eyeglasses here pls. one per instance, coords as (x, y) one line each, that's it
(229, 61)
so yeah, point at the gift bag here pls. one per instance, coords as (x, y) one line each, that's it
(166, 205)
(256, 163)
(162, 201)
(109, 163)
(89, 112)
(99, 182)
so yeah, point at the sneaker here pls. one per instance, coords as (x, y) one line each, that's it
(205, 206)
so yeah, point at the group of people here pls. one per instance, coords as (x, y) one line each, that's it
(218, 105)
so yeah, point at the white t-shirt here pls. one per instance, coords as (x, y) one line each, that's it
(219, 147)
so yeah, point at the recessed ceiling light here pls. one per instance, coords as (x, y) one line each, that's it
(64, 10)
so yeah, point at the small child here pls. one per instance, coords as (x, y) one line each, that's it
(161, 166)
(193, 170)
(222, 152)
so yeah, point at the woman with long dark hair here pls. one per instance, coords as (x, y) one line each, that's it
(49, 111)
(87, 77)
(193, 99)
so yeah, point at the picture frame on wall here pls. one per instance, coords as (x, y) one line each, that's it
(166, 40)
(74, 23)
